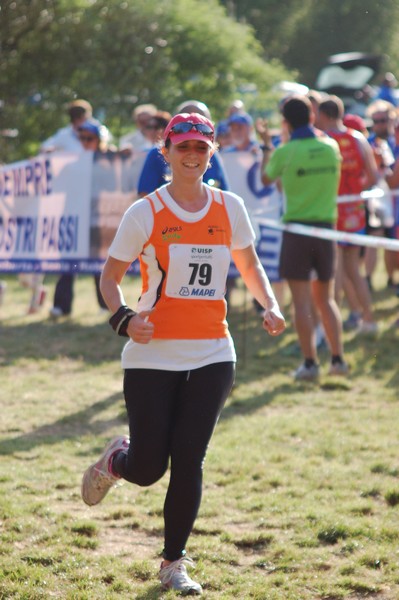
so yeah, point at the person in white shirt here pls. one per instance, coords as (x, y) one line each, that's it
(67, 139)
(179, 360)
(141, 139)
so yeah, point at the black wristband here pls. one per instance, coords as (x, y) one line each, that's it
(122, 328)
(265, 147)
(119, 321)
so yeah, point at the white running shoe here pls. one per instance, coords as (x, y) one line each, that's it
(175, 577)
(304, 373)
(98, 479)
(56, 313)
(340, 369)
(368, 328)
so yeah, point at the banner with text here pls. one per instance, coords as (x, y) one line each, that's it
(243, 173)
(59, 212)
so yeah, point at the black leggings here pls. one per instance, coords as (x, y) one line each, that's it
(172, 414)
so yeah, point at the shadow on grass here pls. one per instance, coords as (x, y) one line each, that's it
(52, 340)
(248, 406)
(153, 593)
(88, 421)
(69, 427)
(376, 354)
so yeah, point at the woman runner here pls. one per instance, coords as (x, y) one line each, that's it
(179, 360)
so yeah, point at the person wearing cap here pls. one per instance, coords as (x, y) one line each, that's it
(155, 171)
(355, 122)
(388, 89)
(141, 139)
(179, 359)
(222, 135)
(241, 133)
(384, 141)
(92, 137)
(66, 139)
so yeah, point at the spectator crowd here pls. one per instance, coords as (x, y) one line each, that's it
(327, 168)
(364, 155)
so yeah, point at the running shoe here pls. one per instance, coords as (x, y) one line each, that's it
(175, 577)
(353, 321)
(304, 373)
(98, 478)
(339, 368)
(56, 312)
(367, 328)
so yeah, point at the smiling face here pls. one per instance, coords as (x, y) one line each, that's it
(189, 158)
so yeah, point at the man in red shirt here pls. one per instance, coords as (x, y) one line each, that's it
(359, 172)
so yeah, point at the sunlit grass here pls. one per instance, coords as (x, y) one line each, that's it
(301, 483)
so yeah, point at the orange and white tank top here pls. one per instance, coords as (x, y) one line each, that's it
(186, 271)
(351, 215)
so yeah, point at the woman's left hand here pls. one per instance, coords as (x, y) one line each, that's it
(273, 321)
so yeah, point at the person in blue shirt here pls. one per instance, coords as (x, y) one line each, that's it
(387, 89)
(155, 170)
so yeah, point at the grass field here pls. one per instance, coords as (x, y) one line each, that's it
(301, 491)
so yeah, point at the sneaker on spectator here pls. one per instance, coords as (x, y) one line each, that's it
(175, 577)
(56, 312)
(304, 373)
(37, 301)
(3, 287)
(98, 479)
(353, 321)
(368, 328)
(339, 368)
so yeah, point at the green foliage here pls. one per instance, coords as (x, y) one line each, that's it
(118, 54)
(334, 27)
(303, 33)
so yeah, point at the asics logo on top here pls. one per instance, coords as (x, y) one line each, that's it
(171, 229)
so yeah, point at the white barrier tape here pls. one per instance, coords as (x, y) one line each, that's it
(374, 193)
(332, 234)
(368, 194)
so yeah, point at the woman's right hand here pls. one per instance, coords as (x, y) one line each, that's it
(140, 329)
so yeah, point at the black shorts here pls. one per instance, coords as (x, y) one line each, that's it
(302, 255)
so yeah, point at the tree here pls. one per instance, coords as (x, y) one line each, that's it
(119, 53)
(39, 43)
(303, 33)
(334, 27)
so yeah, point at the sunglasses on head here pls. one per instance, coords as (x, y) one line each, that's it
(186, 126)
(87, 138)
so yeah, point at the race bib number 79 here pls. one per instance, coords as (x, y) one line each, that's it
(197, 271)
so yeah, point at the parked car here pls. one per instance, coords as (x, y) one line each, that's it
(352, 76)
